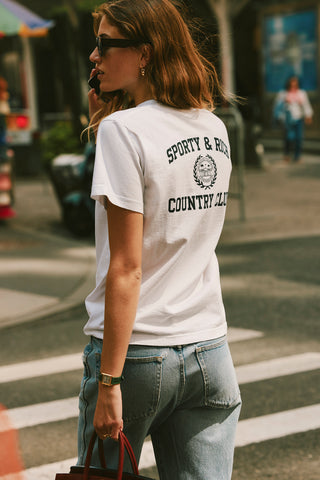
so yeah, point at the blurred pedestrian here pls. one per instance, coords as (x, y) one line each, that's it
(4, 111)
(292, 109)
(158, 360)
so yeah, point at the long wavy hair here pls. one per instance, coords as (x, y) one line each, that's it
(178, 74)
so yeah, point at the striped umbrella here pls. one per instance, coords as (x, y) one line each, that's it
(16, 19)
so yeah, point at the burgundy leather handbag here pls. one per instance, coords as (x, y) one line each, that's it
(104, 473)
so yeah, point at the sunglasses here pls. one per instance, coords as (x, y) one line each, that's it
(103, 43)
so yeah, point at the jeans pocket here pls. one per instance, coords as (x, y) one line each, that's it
(220, 383)
(141, 386)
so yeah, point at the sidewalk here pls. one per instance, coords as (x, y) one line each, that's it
(44, 270)
(41, 274)
(281, 201)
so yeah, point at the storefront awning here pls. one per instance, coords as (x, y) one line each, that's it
(16, 19)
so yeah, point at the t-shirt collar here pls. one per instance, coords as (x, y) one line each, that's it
(147, 102)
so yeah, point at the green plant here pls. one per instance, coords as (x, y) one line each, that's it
(59, 139)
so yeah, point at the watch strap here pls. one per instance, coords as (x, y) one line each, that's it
(109, 380)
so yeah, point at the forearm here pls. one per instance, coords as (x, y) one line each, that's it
(121, 300)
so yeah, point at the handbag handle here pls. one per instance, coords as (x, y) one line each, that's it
(123, 444)
(133, 460)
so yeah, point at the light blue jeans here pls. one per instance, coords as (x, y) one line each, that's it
(186, 397)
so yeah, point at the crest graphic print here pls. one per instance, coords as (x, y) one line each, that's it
(205, 171)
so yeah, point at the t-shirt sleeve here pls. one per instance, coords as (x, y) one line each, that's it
(117, 171)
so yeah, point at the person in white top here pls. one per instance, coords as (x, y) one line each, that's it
(158, 360)
(292, 108)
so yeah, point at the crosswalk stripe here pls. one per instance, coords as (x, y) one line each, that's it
(236, 334)
(276, 425)
(37, 368)
(14, 476)
(37, 414)
(67, 363)
(40, 413)
(253, 430)
(278, 367)
(47, 472)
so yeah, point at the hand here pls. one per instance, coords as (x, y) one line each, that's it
(108, 414)
(308, 120)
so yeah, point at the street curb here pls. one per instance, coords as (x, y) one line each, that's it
(75, 299)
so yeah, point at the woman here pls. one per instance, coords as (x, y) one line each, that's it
(156, 316)
(292, 108)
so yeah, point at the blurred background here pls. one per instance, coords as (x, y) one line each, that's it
(260, 44)
(268, 253)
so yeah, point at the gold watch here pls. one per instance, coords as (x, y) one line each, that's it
(109, 380)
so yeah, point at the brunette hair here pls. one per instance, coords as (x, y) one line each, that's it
(289, 80)
(179, 76)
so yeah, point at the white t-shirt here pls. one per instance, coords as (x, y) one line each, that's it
(296, 102)
(173, 166)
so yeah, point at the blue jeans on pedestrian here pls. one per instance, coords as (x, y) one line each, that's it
(294, 137)
(186, 397)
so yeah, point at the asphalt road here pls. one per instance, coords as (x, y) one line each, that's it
(270, 287)
(264, 290)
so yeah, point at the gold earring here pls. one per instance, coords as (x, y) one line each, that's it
(142, 71)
